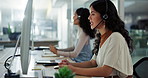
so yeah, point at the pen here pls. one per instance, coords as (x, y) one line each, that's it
(36, 69)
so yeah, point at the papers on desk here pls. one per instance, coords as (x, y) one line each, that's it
(47, 53)
(48, 72)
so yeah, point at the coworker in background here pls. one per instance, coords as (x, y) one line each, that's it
(112, 57)
(82, 50)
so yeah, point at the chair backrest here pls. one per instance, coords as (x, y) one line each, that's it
(141, 68)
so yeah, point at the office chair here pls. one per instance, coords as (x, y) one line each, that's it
(140, 68)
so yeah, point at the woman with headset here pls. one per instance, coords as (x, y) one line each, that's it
(82, 50)
(111, 57)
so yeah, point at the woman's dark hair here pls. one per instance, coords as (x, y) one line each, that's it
(113, 22)
(83, 14)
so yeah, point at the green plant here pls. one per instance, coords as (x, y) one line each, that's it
(64, 72)
(9, 29)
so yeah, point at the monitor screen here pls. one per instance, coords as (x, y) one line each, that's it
(5, 30)
(25, 37)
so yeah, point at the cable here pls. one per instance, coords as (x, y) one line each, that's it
(9, 74)
(7, 64)
(15, 50)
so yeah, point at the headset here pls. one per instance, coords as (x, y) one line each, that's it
(104, 17)
(79, 17)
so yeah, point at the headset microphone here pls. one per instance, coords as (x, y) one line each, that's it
(97, 25)
(78, 18)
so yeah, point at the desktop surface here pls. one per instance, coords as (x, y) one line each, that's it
(35, 70)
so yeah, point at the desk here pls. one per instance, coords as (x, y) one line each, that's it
(3, 56)
(32, 73)
(36, 43)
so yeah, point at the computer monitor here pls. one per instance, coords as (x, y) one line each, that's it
(25, 37)
(5, 30)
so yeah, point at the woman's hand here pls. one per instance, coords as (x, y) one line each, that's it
(53, 49)
(72, 68)
(64, 62)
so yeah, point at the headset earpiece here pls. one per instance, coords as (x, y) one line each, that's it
(79, 17)
(105, 17)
